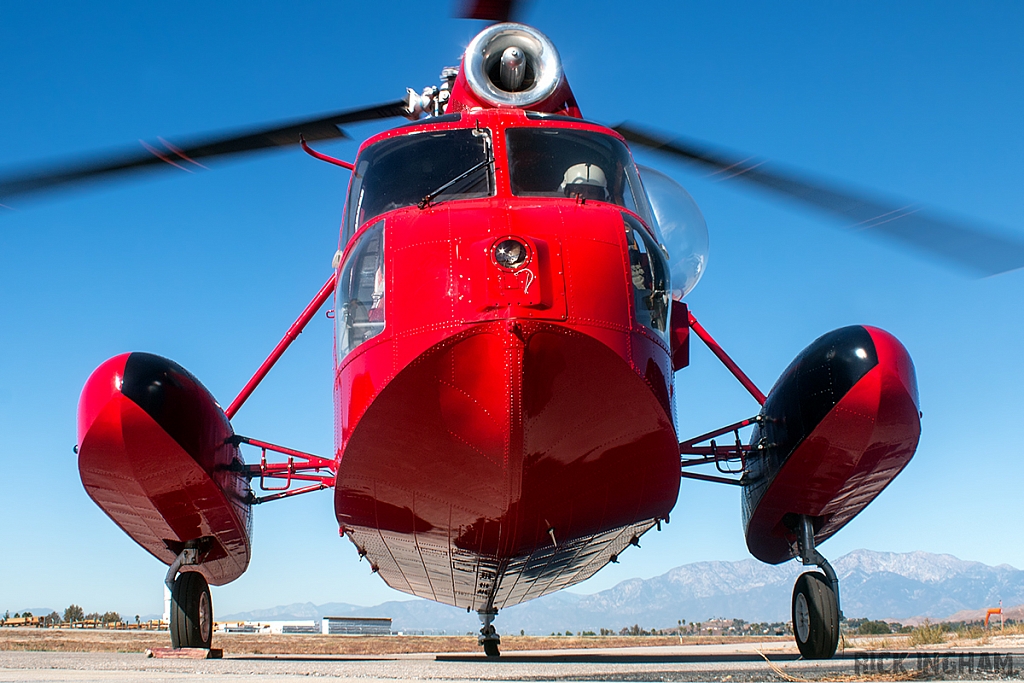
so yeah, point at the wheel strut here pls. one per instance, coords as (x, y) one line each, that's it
(809, 555)
(489, 637)
(187, 556)
(816, 614)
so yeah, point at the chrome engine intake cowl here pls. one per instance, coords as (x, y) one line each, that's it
(512, 65)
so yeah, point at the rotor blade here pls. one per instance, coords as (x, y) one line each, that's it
(491, 10)
(966, 246)
(186, 155)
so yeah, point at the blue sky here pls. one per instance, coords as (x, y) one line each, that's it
(917, 100)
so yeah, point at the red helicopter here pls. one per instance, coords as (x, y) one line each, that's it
(509, 301)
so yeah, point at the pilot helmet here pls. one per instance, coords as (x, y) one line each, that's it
(586, 181)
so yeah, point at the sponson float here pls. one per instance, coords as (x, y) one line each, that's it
(158, 455)
(509, 308)
(838, 426)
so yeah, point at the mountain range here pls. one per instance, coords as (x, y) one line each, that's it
(877, 585)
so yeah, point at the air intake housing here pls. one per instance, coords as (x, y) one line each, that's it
(513, 65)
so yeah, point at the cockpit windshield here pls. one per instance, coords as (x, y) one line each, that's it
(419, 167)
(560, 162)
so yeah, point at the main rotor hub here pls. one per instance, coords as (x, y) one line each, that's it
(512, 65)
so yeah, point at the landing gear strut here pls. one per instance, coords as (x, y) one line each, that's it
(489, 637)
(191, 606)
(816, 613)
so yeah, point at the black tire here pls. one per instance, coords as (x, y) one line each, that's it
(191, 612)
(815, 616)
(491, 648)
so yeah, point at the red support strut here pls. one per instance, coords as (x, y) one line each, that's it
(310, 459)
(726, 360)
(294, 331)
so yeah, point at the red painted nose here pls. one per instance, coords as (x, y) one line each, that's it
(496, 436)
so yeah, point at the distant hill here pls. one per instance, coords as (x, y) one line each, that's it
(876, 585)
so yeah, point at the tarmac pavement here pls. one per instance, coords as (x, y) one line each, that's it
(733, 663)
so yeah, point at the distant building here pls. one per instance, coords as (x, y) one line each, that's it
(717, 627)
(357, 626)
(276, 627)
(238, 627)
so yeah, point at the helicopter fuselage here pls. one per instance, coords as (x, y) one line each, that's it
(503, 384)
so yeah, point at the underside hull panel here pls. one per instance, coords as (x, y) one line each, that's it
(507, 462)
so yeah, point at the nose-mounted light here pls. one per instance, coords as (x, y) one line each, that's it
(512, 65)
(511, 253)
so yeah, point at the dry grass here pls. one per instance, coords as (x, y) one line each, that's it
(1011, 630)
(894, 641)
(880, 643)
(54, 640)
(62, 640)
(927, 634)
(972, 636)
(978, 635)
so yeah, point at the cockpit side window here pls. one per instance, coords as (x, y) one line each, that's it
(650, 279)
(359, 295)
(402, 171)
(561, 162)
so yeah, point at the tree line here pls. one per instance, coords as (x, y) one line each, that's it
(72, 614)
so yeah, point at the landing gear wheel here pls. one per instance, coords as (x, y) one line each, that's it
(815, 616)
(191, 612)
(489, 637)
